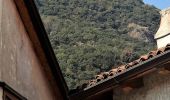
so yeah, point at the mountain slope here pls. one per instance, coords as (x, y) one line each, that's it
(91, 36)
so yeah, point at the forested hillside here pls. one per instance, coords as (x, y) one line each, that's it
(91, 36)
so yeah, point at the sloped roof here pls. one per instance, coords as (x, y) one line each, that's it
(105, 82)
(123, 68)
(41, 44)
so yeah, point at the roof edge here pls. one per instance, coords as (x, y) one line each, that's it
(131, 73)
(30, 14)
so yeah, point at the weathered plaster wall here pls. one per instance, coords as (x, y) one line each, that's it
(19, 66)
(1, 93)
(162, 42)
(156, 87)
(164, 29)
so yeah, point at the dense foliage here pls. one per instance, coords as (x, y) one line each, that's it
(91, 36)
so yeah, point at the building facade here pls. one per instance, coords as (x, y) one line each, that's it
(25, 66)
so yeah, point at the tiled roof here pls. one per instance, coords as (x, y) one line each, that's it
(113, 72)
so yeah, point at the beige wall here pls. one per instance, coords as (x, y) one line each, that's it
(162, 42)
(19, 66)
(1, 93)
(164, 29)
(156, 87)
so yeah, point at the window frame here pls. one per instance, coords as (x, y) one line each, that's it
(9, 92)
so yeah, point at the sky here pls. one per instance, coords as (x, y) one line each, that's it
(161, 4)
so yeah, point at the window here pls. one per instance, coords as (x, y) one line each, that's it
(7, 93)
(8, 96)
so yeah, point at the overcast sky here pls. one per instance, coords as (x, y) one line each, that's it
(161, 4)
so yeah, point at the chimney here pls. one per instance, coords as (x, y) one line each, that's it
(163, 34)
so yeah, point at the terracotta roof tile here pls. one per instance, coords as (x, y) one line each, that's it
(152, 54)
(143, 58)
(123, 68)
(167, 47)
(112, 72)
